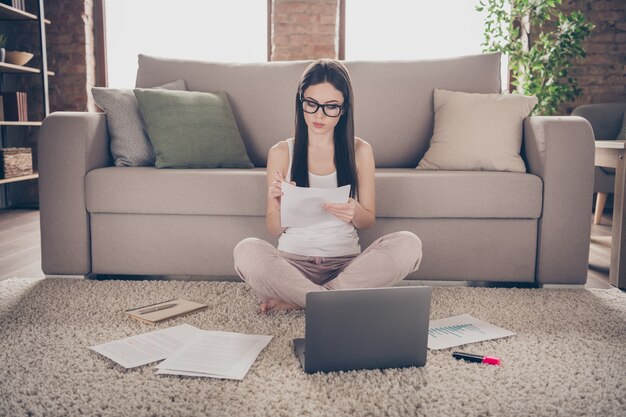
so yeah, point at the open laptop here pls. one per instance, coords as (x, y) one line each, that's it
(370, 328)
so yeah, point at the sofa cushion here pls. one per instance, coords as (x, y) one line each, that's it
(477, 131)
(394, 116)
(189, 129)
(401, 192)
(458, 194)
(130, 145)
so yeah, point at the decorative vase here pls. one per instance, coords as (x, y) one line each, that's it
(3, 54)
(18, 57)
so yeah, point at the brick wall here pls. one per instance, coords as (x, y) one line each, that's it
(70, 54)
(70, 46)
(304, 29)
(602, 73)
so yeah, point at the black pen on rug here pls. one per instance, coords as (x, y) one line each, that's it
(470, 357)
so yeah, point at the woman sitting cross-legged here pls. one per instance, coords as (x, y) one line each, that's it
(323, 154)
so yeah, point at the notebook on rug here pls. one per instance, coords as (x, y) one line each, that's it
(154, 313)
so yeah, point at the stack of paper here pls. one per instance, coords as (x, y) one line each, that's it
(215, 354)
(189, 351)
(302, 206)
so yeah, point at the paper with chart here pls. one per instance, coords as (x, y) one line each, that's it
(215, 354)
(302, 206)
(460, 330)
(147, 347)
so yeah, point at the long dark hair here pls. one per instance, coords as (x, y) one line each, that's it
(334, 72)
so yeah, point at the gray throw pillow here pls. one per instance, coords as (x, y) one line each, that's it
(130, 145)
(191, 129)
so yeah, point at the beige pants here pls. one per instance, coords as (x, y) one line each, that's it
(280, 275)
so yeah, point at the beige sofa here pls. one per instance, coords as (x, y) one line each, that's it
(529, 227)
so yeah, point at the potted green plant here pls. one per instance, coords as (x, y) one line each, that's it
(542, 43)
(3, 42)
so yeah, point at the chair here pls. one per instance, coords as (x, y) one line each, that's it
(608, 121)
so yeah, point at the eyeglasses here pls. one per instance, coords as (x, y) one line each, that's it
(330, 110)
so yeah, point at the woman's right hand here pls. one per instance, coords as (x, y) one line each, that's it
(275, 189)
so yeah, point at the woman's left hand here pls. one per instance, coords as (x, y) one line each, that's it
(343, 211)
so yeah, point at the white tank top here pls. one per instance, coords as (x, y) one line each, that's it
(321, 240)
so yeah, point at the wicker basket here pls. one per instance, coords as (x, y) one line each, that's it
(16, 162)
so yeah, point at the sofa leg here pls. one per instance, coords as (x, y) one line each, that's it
(66, 276)
(600, 202)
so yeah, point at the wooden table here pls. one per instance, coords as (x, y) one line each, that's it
(610, 153)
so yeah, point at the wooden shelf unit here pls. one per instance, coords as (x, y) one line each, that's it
(14, 123)
(7, 68)
(17, 179)
(8, 13)
(11, 13)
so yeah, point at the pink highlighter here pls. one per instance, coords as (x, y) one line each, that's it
(490, 360)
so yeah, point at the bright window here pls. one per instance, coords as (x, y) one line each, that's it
(404, 30)
(211, 30)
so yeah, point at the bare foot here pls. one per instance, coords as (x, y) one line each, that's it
(274, 304)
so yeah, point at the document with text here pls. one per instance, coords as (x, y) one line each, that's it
(302, 206)
(461, 330)
(147, 347)
(215, 354)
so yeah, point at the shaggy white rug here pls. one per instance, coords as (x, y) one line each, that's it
(567, 359)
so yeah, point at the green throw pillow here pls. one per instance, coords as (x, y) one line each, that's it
(189, 129)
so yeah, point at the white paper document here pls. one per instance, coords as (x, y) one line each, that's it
(147, 347)
(215, 354)
(302, 206)
(460, 330)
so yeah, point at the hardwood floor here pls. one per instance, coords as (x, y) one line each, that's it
(600, 252)
(20, 253)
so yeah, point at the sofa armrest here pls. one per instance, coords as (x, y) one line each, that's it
(560, 150)
(70, 144)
